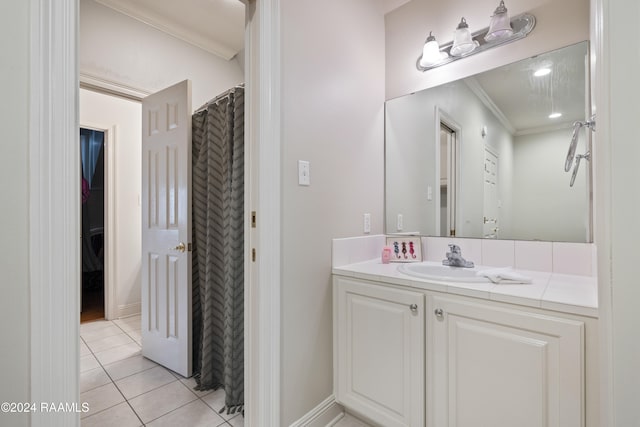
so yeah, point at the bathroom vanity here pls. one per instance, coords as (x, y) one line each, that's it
(410, 351)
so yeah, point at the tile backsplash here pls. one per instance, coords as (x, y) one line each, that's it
(356, 249)
(557, 257)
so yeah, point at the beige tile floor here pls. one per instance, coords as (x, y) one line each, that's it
(124, 389)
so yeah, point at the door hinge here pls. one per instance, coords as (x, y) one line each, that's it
(253, 254)
(189, 247)
(452, 233)
(253, 219)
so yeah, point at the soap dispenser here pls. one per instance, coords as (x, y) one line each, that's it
(386, 254)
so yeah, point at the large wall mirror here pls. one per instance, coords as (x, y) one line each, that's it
(484, 157)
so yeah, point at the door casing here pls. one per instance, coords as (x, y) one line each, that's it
(54, 204)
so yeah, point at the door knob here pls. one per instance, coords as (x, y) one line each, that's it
(413, 307)
(439, 313)
(180, 248)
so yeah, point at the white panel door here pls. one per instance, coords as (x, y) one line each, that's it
(379, 352)
(495, 367)
(490, 221)
(166, 228)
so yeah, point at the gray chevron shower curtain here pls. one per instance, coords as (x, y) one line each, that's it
(218, 235)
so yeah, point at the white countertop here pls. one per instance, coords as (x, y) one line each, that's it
(551, 291)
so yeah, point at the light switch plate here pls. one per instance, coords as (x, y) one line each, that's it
(400, 224)
(366, 223)
(304, 170)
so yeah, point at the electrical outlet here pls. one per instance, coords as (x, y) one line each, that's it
(400, 224)
(366, 224)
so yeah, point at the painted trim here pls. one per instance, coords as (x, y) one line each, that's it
(54, 209)
(327, 413)
(601, 202)
(473, 84)
(263, 181)
(112, 87)
(110, 230)
(128, 310)
(443, 117)
(161, 23)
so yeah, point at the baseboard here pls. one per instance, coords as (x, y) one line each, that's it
(129, 310)
(325, 414)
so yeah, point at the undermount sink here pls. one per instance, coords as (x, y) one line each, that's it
(441, 273)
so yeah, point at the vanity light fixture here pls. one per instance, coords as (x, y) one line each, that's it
(466, 43)
(463, 43)
(431, 54)
(500, 25)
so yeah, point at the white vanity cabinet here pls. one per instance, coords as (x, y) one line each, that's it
(502, 367)
(379, 337)
(405, 356)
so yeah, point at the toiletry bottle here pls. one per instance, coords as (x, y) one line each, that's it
(386, 254)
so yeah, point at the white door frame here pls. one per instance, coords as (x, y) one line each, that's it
(110, 296)
(442, 117)
(54, 206)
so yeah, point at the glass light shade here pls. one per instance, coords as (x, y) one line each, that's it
(500, 26)
(431, 54)
(462, 41)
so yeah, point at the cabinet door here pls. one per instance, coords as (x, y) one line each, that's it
(494, 367)
(379, 352)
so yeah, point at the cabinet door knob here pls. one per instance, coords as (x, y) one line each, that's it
(439, 313)
(414, 307)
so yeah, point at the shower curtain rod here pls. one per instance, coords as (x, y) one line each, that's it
(218, 98)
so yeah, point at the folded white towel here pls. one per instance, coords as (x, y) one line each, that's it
(505, 276)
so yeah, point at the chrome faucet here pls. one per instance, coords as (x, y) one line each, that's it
(454, 258)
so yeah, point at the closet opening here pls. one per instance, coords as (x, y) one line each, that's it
(92, 292)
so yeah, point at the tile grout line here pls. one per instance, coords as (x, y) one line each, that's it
(224, 421)
(114, 383)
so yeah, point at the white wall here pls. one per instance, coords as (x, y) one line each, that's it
(332, 105)
(410, 159)
(624, 152)
(559, 23)
(545, 207)
(104, 111)
(116, 48)
(14, 216)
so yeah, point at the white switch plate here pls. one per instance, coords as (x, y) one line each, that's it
(366, 223)
(304, 170)
(400, 224)
(429, 193)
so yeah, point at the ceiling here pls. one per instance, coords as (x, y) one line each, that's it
(526, 101)
(216, 26)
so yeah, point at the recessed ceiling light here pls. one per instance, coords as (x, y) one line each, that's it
(555, 115)
(542, 72)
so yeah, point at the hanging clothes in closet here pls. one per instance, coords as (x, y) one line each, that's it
(218, 234)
